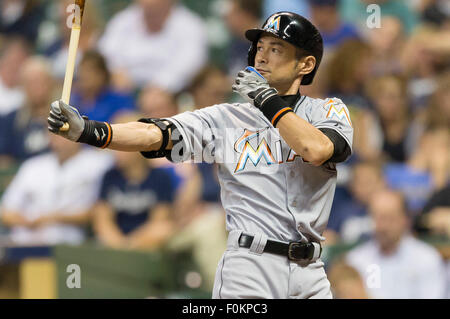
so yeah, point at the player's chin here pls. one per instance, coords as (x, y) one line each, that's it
(268, 77)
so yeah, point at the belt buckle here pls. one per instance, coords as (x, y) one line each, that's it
(296, 254)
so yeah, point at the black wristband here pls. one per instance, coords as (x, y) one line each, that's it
(274, 108)
(98, 134)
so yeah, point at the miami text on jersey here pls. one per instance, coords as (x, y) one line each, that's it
(263, 150)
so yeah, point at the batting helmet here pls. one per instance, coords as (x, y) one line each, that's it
(296, 30)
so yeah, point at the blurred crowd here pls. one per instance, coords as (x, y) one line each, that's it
(156, 58)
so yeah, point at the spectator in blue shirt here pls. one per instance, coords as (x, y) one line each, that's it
(93, 92)
(135, 204)
(325, 15)
(426, 171)
(349, 220)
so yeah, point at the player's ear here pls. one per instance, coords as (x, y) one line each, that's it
(306, 65)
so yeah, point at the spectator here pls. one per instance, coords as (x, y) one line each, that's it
(23, 133)
(134, 210)
(241, 16)
(21, 18)
(166, 48)
(436, 12)
(57, 50)
(96, 98)
(349, 219)
(211, 86)
(387, 131)
(346, 72)
(346, 283)
(325, 15)
(13, 55)
(437, 113)
(155, 102)
(435, 218)
(425, 172)
(49, 199)
(399, 266)
(431, 46)
(387, 45)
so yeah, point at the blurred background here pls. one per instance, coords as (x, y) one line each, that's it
(81, 223)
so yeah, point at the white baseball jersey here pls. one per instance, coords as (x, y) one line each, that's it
(265, 186)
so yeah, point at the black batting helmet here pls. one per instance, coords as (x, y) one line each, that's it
(296, 30)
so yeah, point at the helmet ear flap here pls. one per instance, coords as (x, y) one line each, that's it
(252, 54)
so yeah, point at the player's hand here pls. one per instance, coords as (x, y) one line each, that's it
(253, 87)
(61, 113)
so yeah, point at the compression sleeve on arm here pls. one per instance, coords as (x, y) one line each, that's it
(341, 149)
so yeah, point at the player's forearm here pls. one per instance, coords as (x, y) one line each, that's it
(305, 139)
(135, 137)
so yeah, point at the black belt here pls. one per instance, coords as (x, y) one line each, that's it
(293, 251)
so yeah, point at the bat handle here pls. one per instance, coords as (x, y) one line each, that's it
(65, 127)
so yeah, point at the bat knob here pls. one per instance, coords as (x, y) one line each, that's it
(65, 127)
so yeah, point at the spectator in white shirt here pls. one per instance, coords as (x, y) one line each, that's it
(49, 200)
(155, 42)
(12, 57)
(395, 265)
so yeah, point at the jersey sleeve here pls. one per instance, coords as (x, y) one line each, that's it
(333, 115)
(194, 136)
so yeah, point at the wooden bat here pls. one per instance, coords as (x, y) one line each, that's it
(71, 60)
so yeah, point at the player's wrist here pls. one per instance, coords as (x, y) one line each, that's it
(274, 108)
(98, 134)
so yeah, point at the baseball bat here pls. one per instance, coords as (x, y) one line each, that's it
(72, 56)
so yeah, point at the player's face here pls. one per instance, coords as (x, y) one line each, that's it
(278, 62)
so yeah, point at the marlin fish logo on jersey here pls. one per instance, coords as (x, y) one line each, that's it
(336, 110)
(247, 151)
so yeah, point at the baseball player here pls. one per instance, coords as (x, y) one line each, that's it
(277, 157)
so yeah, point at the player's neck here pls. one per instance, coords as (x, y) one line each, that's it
(293, 89)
